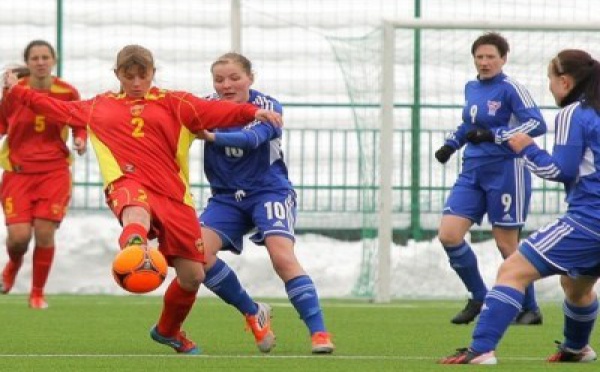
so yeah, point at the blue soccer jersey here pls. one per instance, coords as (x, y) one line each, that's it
(501, 105)
(571, 244)
(249, 182)
(575, 160)
(252, 159)
(493, 179)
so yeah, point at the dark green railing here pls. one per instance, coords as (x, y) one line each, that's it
(324, 167)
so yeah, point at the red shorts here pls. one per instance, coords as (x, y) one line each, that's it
(27, 196)
(174, 223)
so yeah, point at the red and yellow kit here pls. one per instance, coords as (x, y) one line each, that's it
(36, 143)
(36, 182)
(145, 141)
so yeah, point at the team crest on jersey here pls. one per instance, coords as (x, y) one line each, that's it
(56, 209)
(493, 106)
(136, 110)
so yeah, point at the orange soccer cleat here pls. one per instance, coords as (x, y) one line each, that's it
(8, 276)
(38, 302)
(321, 343)
(260, 325)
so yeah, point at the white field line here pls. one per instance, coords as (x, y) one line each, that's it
(262, 357)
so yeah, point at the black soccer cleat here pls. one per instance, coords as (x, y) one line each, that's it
(469, 313)
(529, 317)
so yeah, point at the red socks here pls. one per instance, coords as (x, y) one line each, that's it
(42, 262)
(131, 231)
(177, 304)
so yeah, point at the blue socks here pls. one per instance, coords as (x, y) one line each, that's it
(501, 306)
(303, 296)
(579, 322)
(224, 283)
(301, 291)
(464, 262)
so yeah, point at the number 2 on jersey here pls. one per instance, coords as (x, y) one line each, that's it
(138, 126)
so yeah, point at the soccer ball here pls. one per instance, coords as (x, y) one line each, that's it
(139, 270)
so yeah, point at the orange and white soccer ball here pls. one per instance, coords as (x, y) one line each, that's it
(139, 269)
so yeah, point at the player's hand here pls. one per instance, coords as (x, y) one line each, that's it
(519, 141)
(206, 135)
(480, 135)
(80, 145)
(444, 153)
(10, 79)
(269, 117)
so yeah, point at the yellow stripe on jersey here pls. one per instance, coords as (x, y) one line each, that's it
(182, 159)
(56, 88)
(64, 134)
(155, 94)
(4, 157)
(109, 167)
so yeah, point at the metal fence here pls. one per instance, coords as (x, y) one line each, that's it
(325, 171)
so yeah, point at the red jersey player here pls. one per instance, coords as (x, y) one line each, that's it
(36, 183)
(141, 137)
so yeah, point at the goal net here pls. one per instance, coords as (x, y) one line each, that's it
(405, 81)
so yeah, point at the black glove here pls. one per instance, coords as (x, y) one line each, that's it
(480, 135)
(444, 153)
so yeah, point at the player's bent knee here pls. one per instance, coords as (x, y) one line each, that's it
(517, 272)
(450, 239)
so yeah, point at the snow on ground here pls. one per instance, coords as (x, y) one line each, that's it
(87, 244)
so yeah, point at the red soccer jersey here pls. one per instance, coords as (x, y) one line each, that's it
(36, 143)
(145, 139)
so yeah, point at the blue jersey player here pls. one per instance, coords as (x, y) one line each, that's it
(569, 246)
(493, 179)
(251, 190)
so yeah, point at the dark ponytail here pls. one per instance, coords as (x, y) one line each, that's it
(585, 71)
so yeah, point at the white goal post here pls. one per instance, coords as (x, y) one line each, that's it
(386, 162)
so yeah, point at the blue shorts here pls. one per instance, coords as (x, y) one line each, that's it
(270, 213)
(564, 247)
(501, 189)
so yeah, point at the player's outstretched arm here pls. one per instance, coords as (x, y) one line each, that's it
(199, 114)
(73, 113)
